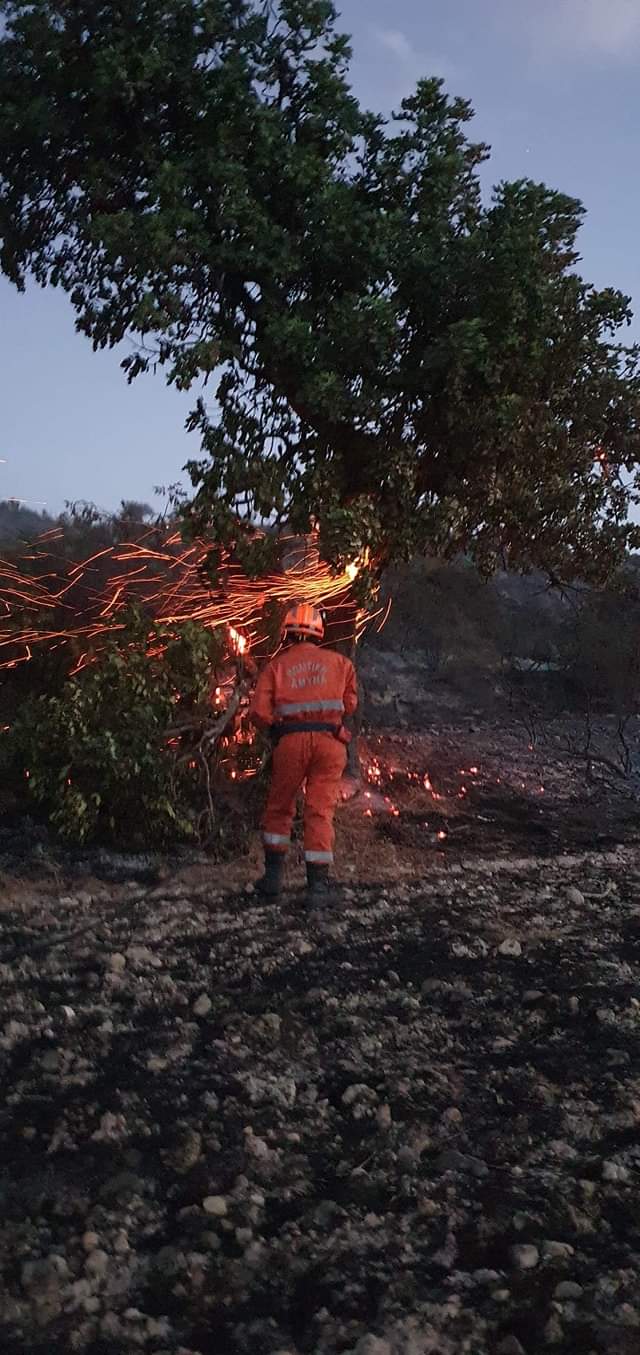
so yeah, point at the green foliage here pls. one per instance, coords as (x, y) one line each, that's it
(418, 370)
(95, 757)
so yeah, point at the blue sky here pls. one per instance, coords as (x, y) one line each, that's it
(556, 92)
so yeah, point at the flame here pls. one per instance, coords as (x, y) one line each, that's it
(239, 642)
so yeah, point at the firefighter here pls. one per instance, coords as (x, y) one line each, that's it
(302, 698)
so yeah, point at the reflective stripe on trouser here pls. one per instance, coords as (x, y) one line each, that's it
(276, 840)
(319, 760)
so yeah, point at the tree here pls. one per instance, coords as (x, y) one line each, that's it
(413, 368)
(18, 523)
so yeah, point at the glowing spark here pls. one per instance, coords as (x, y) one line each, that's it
(158, 574)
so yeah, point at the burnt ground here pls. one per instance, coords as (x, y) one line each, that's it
(408, 1127)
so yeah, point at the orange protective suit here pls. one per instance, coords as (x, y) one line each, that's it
(303, 686)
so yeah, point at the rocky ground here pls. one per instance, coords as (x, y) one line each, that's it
(409, 1127)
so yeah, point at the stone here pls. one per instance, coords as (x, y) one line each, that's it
(358, 1092)
(90, 1241)
(158, 1327)
(615, 1171)
(553, 1332)
(510, 946)
(510, 1345)
(575, 896)
(453, 1161)
(203, 1005)
(255, 1255)
(257, 1147)
(557, 1251)
(140, 955)
(215, 1205)
(567, 1289)
(452, 1116)
(112, 1128)
(372, 1345)
(97, 1263)
(117, 962)
(110, 1325)
(525, 1256)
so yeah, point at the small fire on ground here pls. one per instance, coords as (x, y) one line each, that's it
(397, 785)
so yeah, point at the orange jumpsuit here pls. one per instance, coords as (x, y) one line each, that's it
(305, 685)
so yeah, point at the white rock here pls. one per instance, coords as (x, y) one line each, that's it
(383, 1116)
(97, 1263)
(359, 1091)
(510, 946)
(510, 1346)
(258, 1148)
(567, 1289)
(158, 1326)
(255, 1254)
(557, 1251)
(216, 1205)
(615, 1171)
(575, 896)
(141, 955)
(90, 1241)
(372, 1345)
(280, 1091)
(202, 1005)
(113, 1128)
(525, 1256)
(117, 962)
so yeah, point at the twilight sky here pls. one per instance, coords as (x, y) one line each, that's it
(556, 91)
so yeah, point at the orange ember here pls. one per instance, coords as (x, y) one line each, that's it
(49, 603)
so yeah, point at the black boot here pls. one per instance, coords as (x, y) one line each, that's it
(319, 890)
(270, 884)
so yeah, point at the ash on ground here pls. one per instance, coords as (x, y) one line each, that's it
(410, 1127)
